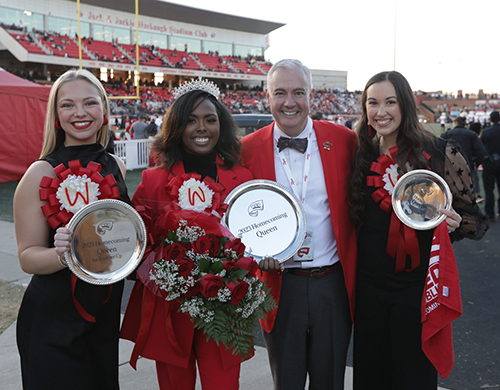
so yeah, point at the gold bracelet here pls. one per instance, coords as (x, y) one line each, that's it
(61, 261)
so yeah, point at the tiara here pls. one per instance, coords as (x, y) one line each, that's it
(194, 85)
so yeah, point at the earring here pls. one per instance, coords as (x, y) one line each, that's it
(105, 122)
(57, 125)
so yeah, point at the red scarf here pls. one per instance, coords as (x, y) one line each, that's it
(441, 303)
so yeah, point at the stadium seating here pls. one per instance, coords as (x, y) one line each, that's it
(26, 41)
(214, 63)
(62, 46)
(146, 56)
(105, 51)
(245, 67)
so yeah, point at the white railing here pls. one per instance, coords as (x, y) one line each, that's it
(135, 153)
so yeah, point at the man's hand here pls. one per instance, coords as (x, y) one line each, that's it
(269, 264)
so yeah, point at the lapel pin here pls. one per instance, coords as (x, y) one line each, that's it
(327, 145)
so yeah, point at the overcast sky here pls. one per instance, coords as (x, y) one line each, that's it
(437, 44)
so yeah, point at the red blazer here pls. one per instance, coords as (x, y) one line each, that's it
(160, 333)
(336, 145)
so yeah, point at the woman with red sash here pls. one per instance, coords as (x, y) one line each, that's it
(67, 329)
(198, 136)
(393, 258)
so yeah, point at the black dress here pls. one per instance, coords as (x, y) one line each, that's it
(59, 349)
(387, 332)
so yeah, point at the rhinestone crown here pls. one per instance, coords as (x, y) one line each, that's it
(193, 85)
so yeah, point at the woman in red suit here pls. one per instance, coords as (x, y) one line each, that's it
(199, 136)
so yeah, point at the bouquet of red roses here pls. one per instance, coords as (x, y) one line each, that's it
(217, 285)
(201, 264)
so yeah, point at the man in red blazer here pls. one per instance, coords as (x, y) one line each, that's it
(309, 333)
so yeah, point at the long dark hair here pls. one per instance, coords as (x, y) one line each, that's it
(412, 140)
(168, 145)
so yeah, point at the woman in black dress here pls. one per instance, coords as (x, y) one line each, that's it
(391, 274)
(67, 330)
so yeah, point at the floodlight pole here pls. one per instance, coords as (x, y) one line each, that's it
(79, 35)
(137, 46)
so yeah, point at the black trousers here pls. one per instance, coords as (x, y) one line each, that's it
(387, 339)
(491, 174)
(311, 334)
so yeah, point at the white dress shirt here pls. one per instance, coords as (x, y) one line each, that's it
(316, 203)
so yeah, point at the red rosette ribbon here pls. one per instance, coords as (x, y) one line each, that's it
(53, 210)
(196, 194)
(402, 239)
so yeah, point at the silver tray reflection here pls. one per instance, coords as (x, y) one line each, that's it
(417, 198)
(267, 217)
(108, 241)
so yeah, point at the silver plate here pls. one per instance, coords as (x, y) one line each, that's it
(108, 241)
(417, 198)
(267, 217)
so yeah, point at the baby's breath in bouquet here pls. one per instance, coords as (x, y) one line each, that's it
(201, 264)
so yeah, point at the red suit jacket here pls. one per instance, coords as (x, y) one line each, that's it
(160, 333)
(336, 145)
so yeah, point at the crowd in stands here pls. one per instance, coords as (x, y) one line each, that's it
(459, 96)
(157, 99)
(240, 99)
(12, 27)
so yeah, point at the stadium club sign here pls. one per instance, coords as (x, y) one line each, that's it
(149, 26)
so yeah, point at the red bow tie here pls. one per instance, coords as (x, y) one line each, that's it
(299, 144)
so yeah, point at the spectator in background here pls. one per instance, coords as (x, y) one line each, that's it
(442, 120)
(159, 121)
(138, 129)
(470, 144)
(317, 115)
(476, 127)
(111, 143)
(151, 129)
(491, 166)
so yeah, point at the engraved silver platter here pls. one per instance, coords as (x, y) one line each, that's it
(267, 217)
(108, 241)
(417, 198)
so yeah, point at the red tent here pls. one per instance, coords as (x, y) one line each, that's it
(23, 106)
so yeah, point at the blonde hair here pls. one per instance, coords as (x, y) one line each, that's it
(53, 138)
